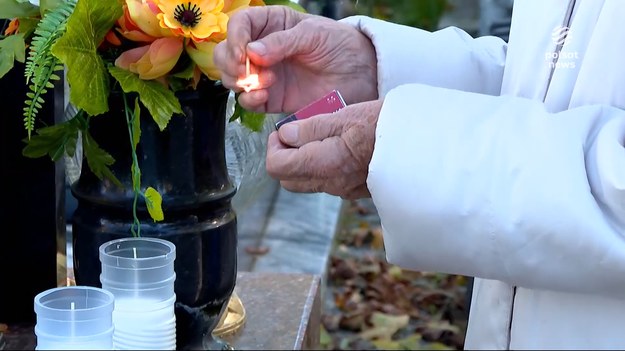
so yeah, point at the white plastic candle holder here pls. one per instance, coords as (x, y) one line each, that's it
(74, 318)
(139, 272)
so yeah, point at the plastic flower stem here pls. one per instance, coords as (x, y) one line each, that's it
(136, 225)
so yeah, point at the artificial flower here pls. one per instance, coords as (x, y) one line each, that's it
(130, 30)
(195, 19)
(202, 54)
(152, 61)
(13, 27)
(112, 39)
(231, 6)
(140, 23)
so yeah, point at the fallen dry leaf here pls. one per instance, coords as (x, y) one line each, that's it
(384, 326)
(354, 321)
(330, 322)
(377, 241)
(344, 269)
(412, 342)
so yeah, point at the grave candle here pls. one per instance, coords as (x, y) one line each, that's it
(74, 318)
(139, 272)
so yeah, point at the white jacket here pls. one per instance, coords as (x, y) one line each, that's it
(500, 162)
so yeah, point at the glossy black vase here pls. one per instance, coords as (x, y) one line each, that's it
(186, 164)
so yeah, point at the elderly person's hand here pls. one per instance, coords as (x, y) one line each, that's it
(326, 153)
(299, 58)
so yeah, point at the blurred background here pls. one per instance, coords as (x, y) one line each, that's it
(476, 17)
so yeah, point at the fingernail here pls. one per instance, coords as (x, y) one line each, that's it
(289, 133)
(258, 47)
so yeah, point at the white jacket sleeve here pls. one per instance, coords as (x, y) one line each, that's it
(498, 188)
(448, 58)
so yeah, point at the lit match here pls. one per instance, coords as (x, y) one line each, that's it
(250, 82)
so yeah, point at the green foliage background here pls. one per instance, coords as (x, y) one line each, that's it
(423, 14)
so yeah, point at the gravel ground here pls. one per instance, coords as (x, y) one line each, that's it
(371, 305)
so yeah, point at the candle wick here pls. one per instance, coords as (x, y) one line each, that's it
(134, 251)
(72, 306)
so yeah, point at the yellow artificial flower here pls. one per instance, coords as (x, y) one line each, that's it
(202, 54)
(195, 19)
(232, 6)
(140, 16)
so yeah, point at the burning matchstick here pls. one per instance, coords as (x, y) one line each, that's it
(250, 82)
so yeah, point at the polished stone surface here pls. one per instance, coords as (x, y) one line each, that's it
(296, 229)
(283, 311)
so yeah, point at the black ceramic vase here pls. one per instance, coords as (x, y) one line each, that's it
(186, 163)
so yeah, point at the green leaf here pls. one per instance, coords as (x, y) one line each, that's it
(153, 201)
(187, 73)
(10, 9)
(53, 141)
(77, 48)
(136, 178)
(287, 3)
(252, 120)
(28, 25)
(6, 62)
(15, 45)
(160, 101)
(12, 48)
(98, 160)
(136, 124)
(47, 5)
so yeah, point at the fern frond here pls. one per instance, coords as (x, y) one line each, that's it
(35, 100)
(48, 30)
(41, 64)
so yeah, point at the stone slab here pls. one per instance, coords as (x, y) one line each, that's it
(283, 311)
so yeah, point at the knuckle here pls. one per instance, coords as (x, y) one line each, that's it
(271, 167)
(317, 187)
(291, 186)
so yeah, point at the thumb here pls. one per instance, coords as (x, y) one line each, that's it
(316, 128)
(280, 45)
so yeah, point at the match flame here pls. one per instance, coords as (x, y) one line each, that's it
(250, 82)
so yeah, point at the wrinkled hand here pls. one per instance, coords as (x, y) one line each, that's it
(326, 153)
(299, 58)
